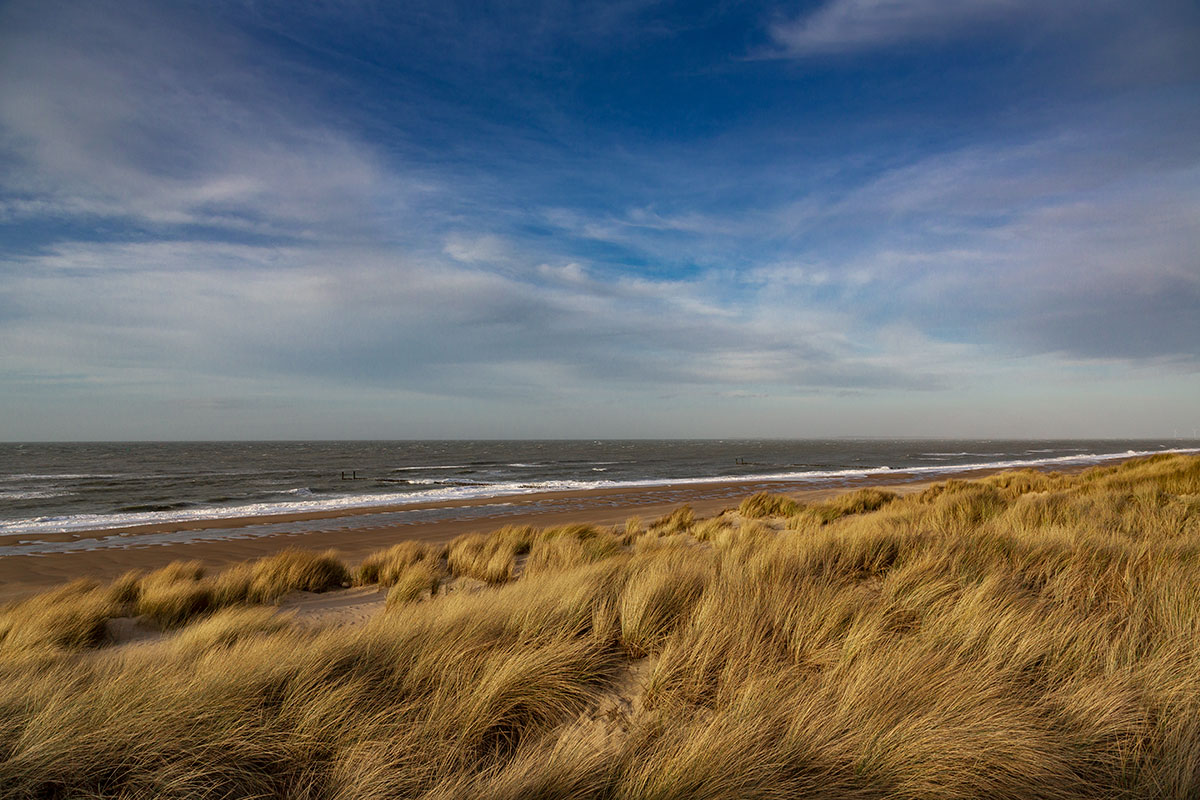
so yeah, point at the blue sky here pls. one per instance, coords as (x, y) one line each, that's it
(376, 220)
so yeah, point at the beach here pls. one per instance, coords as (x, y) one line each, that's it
(30, 564)
(992, 633)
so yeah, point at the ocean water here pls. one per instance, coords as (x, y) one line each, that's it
(48, 488)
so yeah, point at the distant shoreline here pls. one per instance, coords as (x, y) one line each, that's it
(218, 543)
(181, 513)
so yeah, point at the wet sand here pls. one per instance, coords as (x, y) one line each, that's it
(354, 533)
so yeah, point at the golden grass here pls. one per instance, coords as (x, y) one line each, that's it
(268, 579)
(75, 616)
(678, 521)
(175, 594)
(633, 529)
(491, 559)
(387, 566)
(72, 616)
(181, 591)
(709, 529)
(226, 627)
(570, 546)
(418, 579)
(1022, 636)
(849, 504)
(660, 588)
(765, 504)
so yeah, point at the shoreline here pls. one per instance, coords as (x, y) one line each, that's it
(201, 516)
(221, 542)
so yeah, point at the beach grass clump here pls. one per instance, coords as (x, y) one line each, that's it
(226, 627)
(575, 530)
(963, 505)
(1175, 473)
(710, 529)
(633, 529)
(570, 546)
(126, 589)
(420, 579)
(292, 570)
(295, 570)
(1042, 510)
(385, 567)
(182, 591)
(491, 559)
(1003, 638)
(76, 615)
(660, 589)
(861, 501)
(426, 700)
(175, 594)
(1014, 483)
(678, 521)
(766, 504)
(70, 617)
(748, 536)
(519, 538)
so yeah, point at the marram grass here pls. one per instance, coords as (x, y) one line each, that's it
(1021, 636)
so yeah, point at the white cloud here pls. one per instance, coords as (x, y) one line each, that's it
(486, 249)
(572, 274)
(841, 26)
(125, 115)
(1036, 247)
(328, 315)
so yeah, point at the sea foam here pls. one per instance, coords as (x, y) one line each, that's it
(448, 492)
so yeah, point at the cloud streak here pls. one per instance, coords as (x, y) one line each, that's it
(842, 26)
(202, 139)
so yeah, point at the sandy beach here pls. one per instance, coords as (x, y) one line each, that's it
(354, 533)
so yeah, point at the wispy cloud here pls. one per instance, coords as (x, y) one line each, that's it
(1115, 43)
(201, 138)
(333, 315)
(841, 26)
(1063, 244)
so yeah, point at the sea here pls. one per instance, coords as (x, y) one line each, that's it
(64, 487)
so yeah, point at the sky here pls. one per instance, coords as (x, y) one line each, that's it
(268, 219)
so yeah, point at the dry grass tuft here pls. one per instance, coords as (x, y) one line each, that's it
(297, 570)
(175, 594)
(570, 546)
(711, 529)
(633, 529)
(387, 566)
(765, 504)
(1015, 483)
(660, 589)
(678, 521)
(181, 592)
(491, 559)
(849, 504)
(127, 588)
(75, 615)
(419, 579)
(226, 628)
(72, 617)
